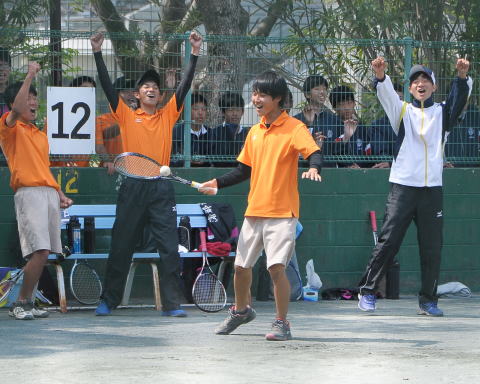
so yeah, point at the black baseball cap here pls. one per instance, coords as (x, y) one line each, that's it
(418, 68)
(150, 75)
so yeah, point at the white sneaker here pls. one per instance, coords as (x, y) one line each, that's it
(39, 313)
(21, 311)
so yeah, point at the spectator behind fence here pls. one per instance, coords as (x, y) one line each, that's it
(464, 140)
(354, 140)
(382, 134)
(202, 138)
(288, 103)
(320, 120)
(75, 160)
(5, 67)
(230, 136)
(107, 133)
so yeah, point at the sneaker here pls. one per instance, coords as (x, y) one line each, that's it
(103, 309)
(280, 331)
(430, 309)
(39, 312)
(367, 302)
(234, 320)
(175, 313)
(21, 311)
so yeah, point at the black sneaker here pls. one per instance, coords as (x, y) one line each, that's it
(234, 320)
(21, 310)
(280, 331)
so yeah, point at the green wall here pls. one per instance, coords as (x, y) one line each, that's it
(334, 213)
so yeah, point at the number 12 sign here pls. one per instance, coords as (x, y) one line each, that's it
(71, 120)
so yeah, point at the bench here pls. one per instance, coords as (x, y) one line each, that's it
(104, 216)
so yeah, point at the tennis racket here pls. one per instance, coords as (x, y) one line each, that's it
(85, 284)
(373, 222)
(139, 166)
(208, 292)
(7, 284)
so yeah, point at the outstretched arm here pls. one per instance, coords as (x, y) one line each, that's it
(111, 93)
(186, 83)
(458, 96)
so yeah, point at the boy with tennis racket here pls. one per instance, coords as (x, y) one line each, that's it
(416, 192)
(38, 197)
(148, 131)
(269, 159)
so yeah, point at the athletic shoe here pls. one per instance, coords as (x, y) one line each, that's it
(280, 331)
(367, 302)
(175, 313)
(430, 309)
(103, 309)
(21, 311)
(234, 320)
(39, 313)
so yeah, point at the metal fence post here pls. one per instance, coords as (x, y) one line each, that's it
(407, 64)
(187, 109)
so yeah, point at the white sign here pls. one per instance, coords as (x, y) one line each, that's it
(71, 120)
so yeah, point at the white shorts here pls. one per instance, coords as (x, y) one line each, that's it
(38, 217)
(275, 235)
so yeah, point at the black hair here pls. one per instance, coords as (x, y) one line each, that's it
(341, 93)
(313, 81)
(12, 90)
(78, 81)
(5, 56)
(198, 98)
(122, 84)
(272, 84)
(231, 100)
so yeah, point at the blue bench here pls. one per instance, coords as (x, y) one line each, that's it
(104, 216)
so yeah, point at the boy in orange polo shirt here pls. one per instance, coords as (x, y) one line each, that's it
(38, 197)
(270, 159)
(146, 130)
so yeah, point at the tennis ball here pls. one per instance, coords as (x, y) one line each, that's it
(165, 170)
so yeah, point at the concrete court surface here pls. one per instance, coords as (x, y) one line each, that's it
(333, 343)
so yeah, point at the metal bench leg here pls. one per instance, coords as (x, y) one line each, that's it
(156, 287)
(128, 285)
(62, 299)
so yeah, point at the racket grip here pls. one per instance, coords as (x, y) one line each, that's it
(373, 220)
(203, 241)
(200, 185)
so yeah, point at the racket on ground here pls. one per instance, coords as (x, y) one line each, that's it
(7, 284)
(139, 166)
(85, 284)
(208, 292)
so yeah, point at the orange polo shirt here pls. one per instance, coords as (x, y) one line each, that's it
(113, 145)
(272, 153)
(150, 135)
(26, 149)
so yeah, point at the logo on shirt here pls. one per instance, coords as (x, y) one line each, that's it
(138, 120)
(439, 213)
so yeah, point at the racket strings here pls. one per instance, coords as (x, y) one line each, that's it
(85, 284)
(137, 166)
(5, 287)
(208, 293)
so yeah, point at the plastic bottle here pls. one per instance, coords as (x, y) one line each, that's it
(74, 235)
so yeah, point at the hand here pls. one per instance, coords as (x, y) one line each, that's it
(462, 68)
(384, 164)
(354, 166)
(209, 187)
(196, 42)
(349, 128)
(448, 165)
(65, 202)
(378, 66)
(110, 168)
(96, 41)
(170, 78)
(33, 68)
(319, 138)
(312, 174)
(309, 114)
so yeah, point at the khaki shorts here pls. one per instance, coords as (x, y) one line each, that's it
(38, 217)
(275, 235)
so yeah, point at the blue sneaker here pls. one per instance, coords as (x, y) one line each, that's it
(367, 302)
(430, 309)
(103, 309)
(175, 313)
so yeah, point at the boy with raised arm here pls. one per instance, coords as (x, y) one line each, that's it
(38, 197)
(269, 159)
(146, 130)
(416, 193)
